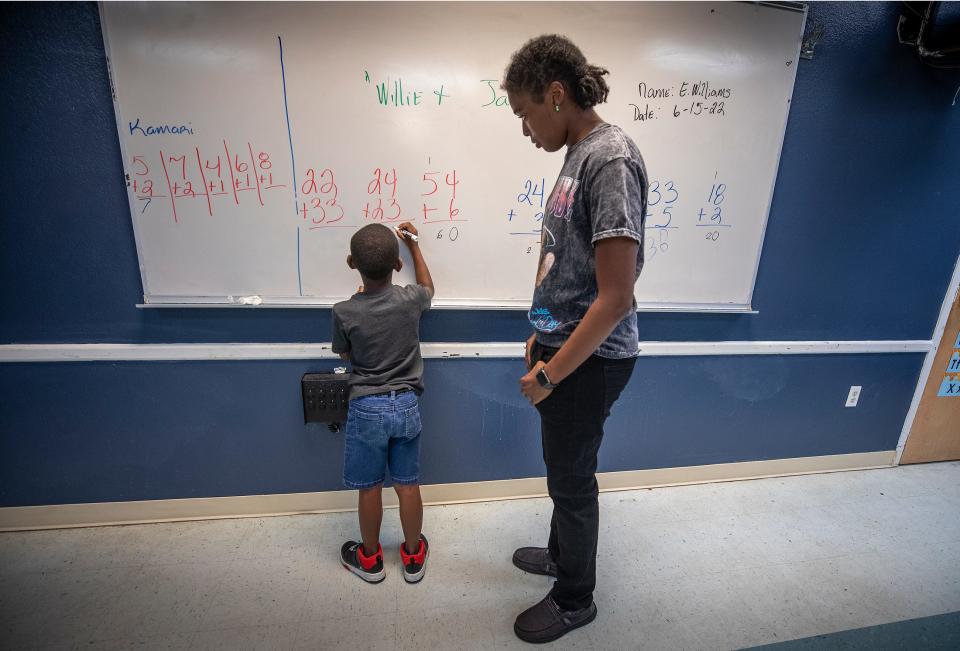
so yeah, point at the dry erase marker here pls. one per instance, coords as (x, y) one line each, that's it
(408, 234)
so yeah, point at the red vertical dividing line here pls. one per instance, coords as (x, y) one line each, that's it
(256, 172)
(206, 190)
(173, 199)
(233, 183)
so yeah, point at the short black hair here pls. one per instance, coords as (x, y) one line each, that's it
(552, 57)
(375, 251)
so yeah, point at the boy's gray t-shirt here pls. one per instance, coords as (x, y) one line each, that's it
(381, 331)
(601, 193)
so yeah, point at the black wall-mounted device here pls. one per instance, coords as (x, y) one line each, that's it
(325, 398)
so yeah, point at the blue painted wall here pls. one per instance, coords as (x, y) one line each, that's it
(862, 238)
(148, 430)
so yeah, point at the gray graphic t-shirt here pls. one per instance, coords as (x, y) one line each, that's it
(601, 192)
(381, 331)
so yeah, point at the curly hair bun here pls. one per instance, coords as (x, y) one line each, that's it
(550, 58)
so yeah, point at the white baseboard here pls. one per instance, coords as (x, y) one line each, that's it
(19, 518)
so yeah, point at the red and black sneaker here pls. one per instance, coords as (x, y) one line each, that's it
(370, 569)
(414, 565)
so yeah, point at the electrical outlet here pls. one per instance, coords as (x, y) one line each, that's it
(854, 396)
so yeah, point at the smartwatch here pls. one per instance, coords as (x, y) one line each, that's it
(544, 380)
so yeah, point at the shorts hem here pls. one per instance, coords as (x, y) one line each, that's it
(362, 484)
(405, 481)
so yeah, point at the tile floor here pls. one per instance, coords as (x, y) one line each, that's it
(713, 566)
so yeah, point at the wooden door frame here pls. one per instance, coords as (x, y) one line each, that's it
(928, 360)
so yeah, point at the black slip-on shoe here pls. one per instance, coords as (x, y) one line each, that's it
(536, 560)
(546, 621)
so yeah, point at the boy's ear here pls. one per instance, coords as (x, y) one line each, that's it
(399, 265)
(350, 262)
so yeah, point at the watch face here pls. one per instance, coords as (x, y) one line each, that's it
(542, 379)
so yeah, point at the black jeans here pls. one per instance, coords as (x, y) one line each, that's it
(571, 426)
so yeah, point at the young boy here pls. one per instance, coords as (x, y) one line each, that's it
(378, 330)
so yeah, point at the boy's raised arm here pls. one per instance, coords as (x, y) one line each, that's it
(404, 232)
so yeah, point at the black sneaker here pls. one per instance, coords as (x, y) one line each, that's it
(414, 565)
(369, 569)
(546, 621)
(536, 560)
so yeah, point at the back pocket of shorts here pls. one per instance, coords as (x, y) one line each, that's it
(364, 425)
(412, 425)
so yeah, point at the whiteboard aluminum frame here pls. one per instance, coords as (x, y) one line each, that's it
(195, 302)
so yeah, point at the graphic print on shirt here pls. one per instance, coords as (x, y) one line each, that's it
(546, 264)
(541, 319)
(560, 204)
(547, 238)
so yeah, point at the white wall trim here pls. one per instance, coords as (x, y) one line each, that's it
(112, 513)
(938, 329)
(10, 353)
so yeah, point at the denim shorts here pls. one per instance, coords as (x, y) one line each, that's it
(383, 431)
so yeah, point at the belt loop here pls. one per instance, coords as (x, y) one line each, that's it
(393, 394)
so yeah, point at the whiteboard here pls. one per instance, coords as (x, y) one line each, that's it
(257, 137)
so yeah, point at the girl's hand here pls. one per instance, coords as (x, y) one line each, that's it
(531, 389)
